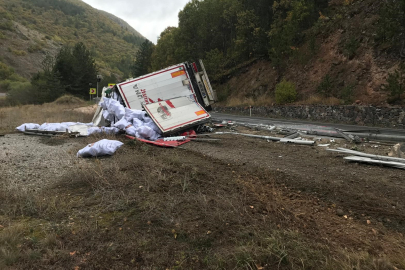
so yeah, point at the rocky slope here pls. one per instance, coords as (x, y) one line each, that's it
(344, 59)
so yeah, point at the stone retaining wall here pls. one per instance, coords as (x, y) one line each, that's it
(356, 115)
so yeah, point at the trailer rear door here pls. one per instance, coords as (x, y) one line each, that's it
(176, 114)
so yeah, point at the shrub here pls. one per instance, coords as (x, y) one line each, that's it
(5, 85)
(18, 52)
(325, 87)
(7, 25)
(20, 93)
(395, 84)
(34, 48)
(5, 71)
(285, 92)
(346, 94)
(351, 47)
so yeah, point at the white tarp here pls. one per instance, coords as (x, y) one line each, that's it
(100, 148)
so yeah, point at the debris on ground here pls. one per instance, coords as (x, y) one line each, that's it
(101, 148)
(398, 150)
(372, 159)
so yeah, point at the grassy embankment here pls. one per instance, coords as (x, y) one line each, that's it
(153, 208)
(62, 110)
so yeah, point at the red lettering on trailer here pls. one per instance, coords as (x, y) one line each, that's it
(164, 109)
(170, 104)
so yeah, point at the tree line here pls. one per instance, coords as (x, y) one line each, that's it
(72, 71)
(228, 32)
(224, 33)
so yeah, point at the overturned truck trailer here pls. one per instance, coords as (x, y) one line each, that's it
(176, 98)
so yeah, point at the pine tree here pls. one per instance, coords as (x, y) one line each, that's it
(77, 69)
(143, 64)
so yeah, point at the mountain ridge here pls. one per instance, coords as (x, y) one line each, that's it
(31, 29)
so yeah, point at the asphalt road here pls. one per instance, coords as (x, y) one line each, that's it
(254, 120)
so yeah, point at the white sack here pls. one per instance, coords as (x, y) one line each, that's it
(27, 126)
(115, 108)
(53, 127)
(108, 116)
(137, 123)
(153, 126)
(122, 124)
(100, 148)
(131, 131)
(147, 133)
(69, 123)
(106, 130)
(131, 114)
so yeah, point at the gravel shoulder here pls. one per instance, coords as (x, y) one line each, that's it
(30, 163)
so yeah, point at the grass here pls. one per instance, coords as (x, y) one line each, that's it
(264, 100)
(268, 101)
(59, 111)
(319, 100)
(153, 208)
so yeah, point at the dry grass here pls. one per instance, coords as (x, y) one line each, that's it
(269, 101)
(319, 100)
(243, 101)
(61, 110)
(69, 100)
(152, 208)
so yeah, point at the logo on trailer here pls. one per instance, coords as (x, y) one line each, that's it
(163, 111)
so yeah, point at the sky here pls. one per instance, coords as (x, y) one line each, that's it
(148, 17)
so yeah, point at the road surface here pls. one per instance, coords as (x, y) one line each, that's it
(272, 121)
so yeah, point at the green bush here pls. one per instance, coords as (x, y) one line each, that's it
(7, 25)
(347, 93)
(5, 71)
(351, 47)
(4, 85)
(18, 52)
(285, 92)
(395, 85)
(34, 48)
(20, 93)
(325, 87)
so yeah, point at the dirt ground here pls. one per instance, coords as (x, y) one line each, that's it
(236, 203)
(363, 192)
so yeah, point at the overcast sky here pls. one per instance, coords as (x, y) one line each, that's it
(148, 17)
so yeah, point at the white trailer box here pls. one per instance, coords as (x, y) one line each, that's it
(182, 80)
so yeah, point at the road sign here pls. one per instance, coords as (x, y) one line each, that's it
(93, 91)
(111, 85)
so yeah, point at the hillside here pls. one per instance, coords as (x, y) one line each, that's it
(343, 63)
(31, 28)
(122, 23)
